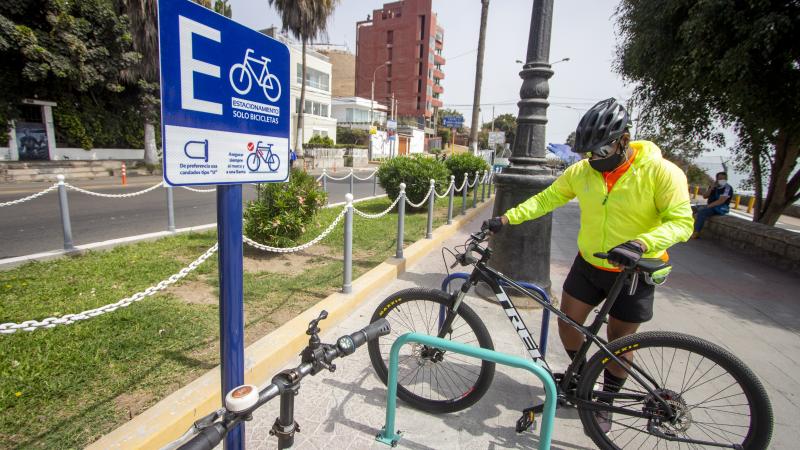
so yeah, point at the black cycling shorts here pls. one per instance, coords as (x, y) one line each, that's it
(591, 285)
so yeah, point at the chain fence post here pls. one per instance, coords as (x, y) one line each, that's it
(375, 183)
(65, 223)
(483, 186)
(475, 191)
(324, 181)
(401, 219)
(431, 201)
(347, 285)
(170, 208)
(464, 190)
(450, 196)
(352, 180)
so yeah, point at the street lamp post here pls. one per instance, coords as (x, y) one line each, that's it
(523, 251)
(372, 107)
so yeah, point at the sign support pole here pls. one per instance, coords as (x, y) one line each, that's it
(231, 306)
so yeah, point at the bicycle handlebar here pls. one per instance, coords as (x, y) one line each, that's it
(209, 436)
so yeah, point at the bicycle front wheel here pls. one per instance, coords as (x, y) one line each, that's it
(715, 397)
(253, 162)
(432, 379)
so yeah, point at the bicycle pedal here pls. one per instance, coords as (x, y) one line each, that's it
(528, 419)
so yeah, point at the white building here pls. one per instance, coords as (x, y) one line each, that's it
(317, 119)
(354, 112)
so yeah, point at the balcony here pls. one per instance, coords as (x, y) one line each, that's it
(438, 74)
(438, 59)
(436, 103)
(438, 45)
(438, 89)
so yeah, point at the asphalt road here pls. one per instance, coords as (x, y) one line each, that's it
(35, 226)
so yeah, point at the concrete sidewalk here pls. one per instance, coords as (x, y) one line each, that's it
(713, 293)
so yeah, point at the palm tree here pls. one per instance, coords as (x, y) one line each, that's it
(143, 24)
(306, 19)
(476, 102)
(142, 15)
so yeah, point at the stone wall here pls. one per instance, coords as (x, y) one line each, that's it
(772, 245)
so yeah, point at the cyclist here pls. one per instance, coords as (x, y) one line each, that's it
(633, 203)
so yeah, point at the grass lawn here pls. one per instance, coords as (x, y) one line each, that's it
(65, 387)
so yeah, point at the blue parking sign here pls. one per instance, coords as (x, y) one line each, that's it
(225, 92)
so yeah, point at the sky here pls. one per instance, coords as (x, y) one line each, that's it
(583, 31)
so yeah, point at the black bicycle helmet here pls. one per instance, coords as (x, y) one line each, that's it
(604, 122)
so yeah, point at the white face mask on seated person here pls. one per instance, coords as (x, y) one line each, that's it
(722, 183)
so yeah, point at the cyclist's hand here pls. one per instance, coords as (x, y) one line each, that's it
(494, 224)
(626, 254)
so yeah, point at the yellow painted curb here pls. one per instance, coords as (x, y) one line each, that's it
(171, 417)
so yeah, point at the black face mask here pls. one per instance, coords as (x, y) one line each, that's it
(607, 164)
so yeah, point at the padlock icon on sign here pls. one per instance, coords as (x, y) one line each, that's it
(196, 148)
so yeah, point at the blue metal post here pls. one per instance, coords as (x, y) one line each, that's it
(231, 307)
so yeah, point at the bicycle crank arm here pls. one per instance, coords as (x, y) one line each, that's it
(658, 433)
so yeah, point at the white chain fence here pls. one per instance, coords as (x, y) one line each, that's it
(447, 192)
(463, 185)
(417, 205)
(30, 197)
(202, 191)
(50, 322)
(98, 194)
(366, 178)
(337, 179)
(298, 248)
(377, 215)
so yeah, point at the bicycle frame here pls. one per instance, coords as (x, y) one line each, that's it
(496, 280)
(264, 75)
(260, 152)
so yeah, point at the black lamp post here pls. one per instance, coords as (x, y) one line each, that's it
(523, 251)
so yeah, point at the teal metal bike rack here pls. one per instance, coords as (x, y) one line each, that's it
(390, 437)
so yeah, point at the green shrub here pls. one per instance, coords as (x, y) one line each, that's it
(462, 163)
(319, 141)
(282, 210)
(416, 172)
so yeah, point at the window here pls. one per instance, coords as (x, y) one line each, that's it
(388, 87)
(390, 37)
(314, 78)
(421, 51)
(323, 133)
(389, 70)
(430, 90)
(430, 57)
(418, 102)
(419, 67)
(312, 107)
(389, 51)
(419, 85)
(421, 27)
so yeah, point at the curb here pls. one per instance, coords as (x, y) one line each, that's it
(171, 417)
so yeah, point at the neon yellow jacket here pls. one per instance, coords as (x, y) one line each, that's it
(649, 202)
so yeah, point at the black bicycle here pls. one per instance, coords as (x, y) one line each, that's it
(681, 391)
(208, 432)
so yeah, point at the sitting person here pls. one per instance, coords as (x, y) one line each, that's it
(719, 197)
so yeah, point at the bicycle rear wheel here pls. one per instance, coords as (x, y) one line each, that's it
(432, 379)
(716, 397)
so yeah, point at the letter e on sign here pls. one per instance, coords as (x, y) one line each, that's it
(189, 65)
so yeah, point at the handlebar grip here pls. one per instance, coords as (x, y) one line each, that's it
(348, 344)
(601, 255)
(207, 439)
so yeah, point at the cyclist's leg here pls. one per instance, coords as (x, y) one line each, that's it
(615, 330)
(579, 296)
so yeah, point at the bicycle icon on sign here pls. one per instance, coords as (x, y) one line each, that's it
(262, 153)
(241, 77)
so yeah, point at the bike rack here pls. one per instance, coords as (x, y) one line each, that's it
(545, 314)
(390, 437)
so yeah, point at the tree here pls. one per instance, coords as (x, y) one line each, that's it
(698, 65)
(306, 19)
(476, 101)
(51, 48)
(571, 141)
(506, 123)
